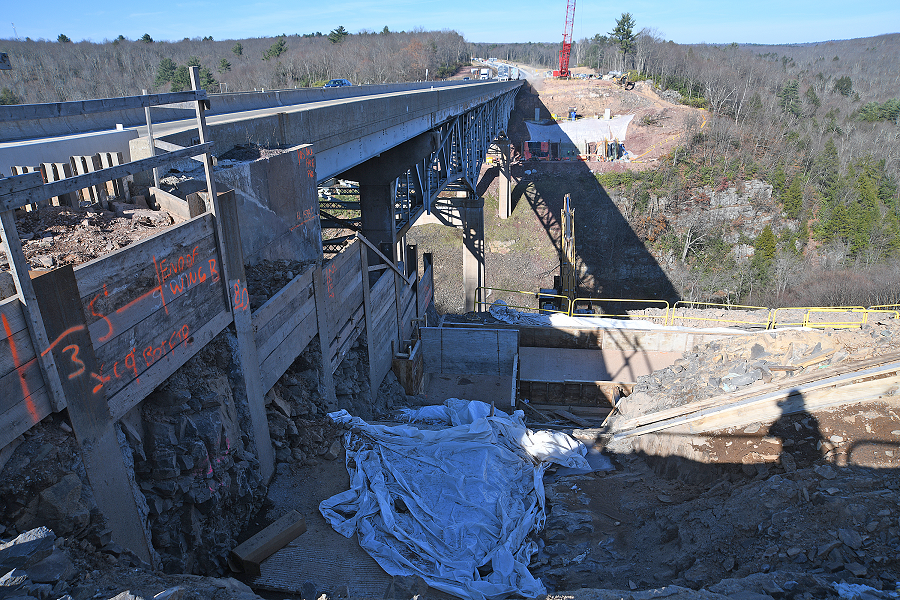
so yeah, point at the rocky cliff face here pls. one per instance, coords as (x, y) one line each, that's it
(744, 209)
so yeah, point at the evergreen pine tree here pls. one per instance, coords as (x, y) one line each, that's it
(763, 255)
(793, 199)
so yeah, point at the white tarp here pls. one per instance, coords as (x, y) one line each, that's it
(580, 131)
(457, 506)
(503, 313)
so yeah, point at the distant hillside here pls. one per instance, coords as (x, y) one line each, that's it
(46, 71)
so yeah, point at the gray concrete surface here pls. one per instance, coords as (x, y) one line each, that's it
(567, 364)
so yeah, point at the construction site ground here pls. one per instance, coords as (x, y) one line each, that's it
(763, 529)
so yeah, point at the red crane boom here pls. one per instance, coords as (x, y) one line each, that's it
(567, 42)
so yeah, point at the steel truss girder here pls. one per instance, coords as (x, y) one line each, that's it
(463, 148)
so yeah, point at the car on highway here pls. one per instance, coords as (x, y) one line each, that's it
(337, 83)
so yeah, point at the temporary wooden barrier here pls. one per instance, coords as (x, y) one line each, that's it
(286, 322)
(146, 309)
(24, 399)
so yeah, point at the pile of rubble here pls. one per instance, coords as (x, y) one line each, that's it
(59, 235)
(38, 564)
(770, 532)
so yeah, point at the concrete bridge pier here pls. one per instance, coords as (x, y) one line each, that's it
(377, 204)
(473, 249)
(377, 179)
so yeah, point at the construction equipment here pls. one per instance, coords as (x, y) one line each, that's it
(624, 83)
(566, 50)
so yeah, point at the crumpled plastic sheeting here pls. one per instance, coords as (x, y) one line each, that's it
(455, 506)
(506, 314)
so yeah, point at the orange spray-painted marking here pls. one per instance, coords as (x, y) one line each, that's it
(61, 337)
(20, 369)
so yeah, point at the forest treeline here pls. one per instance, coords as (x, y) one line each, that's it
(819, 122)
(58, 71)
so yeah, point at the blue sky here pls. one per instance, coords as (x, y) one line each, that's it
(684, 21)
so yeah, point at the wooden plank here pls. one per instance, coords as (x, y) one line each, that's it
(170, 147)
(407, 316)
(382, 297)
(115, 187)
(114, 275)
(425, 290)
(384, 326)
(83, 166)
(770, 410)
(18, 183)
(18, 384)
(28, 112)
(274, 365)
(278, 317)
(278, 330)
(57, 294)
(367, 308)
(12, 245)
(227, 219)
(298, 287)
(476, 351)
(128, 354)
(570, 417)
(588, 411)
(21, 170)
(109, 322)
(386, 260)
(343, 287)
(24, 415)
(129, 396)
(345, 339)
(57, 172)
(57, 188)
(170, 203)
(12, 316)
(15, 350)
(514, 382)
(324, 333)
(248, 556)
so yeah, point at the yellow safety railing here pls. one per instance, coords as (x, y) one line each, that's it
(853, 310)
(692, 304)
(807, 310)
(662, 303)
(885, 307)
(894, 313)
(805, 319)
(534, 295)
